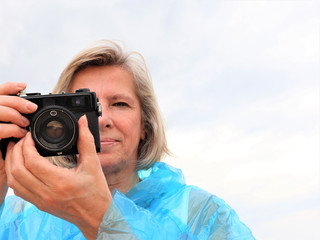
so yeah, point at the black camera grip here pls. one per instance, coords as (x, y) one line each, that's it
(4, 144)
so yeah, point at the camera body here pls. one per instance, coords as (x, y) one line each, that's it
(54, 126)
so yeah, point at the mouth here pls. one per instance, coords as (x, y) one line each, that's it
(108, 141)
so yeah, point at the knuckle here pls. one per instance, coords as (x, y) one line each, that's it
(28, 164)
(86, 136)
(62, 188)
(46, 202)
(90, 138)
(41, 206)
(16, 172)
(49, 202)
(46, 199)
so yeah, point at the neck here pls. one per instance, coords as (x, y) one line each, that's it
(123, 180)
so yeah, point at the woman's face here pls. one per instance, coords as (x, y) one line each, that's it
(120, 125)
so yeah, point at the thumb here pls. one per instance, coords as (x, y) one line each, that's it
(86, 146)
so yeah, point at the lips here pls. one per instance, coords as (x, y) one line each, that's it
(108, 141)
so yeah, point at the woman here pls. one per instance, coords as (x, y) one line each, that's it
(123, 192)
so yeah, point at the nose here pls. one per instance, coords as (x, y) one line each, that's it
(105, 121)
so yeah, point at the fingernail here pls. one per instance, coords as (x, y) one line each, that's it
(24, 131)
(84, 120)
(25, 121)
(28, 135)
(31, 106)
(21, 85)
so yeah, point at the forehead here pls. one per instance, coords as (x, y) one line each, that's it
(105, 80)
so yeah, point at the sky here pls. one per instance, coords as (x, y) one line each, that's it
(237, 83)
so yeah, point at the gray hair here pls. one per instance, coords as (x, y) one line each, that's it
(107, 52)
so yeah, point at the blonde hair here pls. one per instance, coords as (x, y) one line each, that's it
(107, 52)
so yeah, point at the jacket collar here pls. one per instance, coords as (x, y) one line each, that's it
(161, 178)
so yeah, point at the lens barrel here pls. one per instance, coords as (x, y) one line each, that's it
(54, 129)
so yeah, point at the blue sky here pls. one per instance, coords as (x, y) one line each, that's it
(237, 81)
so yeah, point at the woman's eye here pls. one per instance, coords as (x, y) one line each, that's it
(120, 104)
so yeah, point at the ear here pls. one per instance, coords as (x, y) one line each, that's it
(143, 134)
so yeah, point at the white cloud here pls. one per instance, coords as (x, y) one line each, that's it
(281, 129)
(301, 222)
(257, 156)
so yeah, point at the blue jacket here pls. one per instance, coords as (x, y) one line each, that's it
(161, 206)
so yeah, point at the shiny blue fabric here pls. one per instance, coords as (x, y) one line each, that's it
(161, 206)
(22, 220)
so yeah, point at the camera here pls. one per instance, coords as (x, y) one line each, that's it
(54, 126)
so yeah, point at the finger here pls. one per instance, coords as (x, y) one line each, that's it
(39, 166)
(11, 130)
(12, 88)
(86, 146)
(18, 177)
(11, 115)
(20, 104)
(10, 146)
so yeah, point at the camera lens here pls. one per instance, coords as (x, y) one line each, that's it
(54, 129)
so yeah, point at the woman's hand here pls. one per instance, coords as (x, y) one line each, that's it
(12, 123)
(3, 180)
(11, 107)
(79, 195)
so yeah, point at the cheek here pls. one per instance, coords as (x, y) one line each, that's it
(131, 128)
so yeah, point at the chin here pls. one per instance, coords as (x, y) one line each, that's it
(111, 164)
